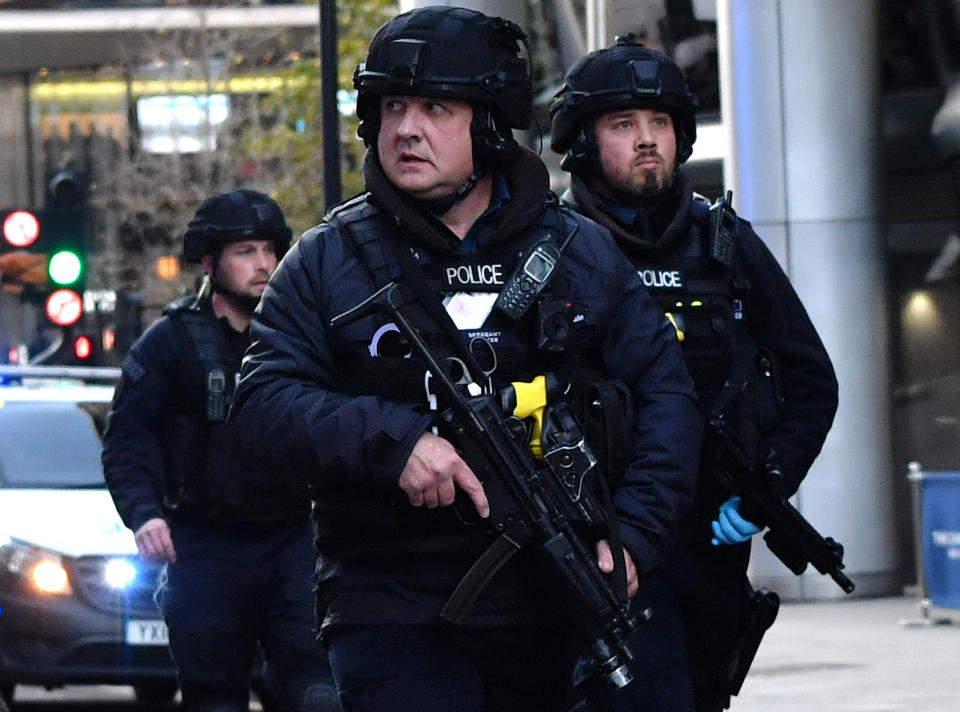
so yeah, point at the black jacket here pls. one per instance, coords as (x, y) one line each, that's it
(667, 233)
(163, 457)
(382, 560)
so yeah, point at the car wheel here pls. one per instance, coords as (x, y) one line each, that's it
(159, 691)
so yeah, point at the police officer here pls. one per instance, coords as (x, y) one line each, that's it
(454, 205)
(236, 539)
(624, 123)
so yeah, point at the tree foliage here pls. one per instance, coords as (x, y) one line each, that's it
(271, 141)
(289, 138)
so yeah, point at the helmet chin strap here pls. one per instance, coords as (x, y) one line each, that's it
(443, 204)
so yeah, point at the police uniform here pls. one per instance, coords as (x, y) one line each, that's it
(387, 568)
(243, 537)
(741, 320)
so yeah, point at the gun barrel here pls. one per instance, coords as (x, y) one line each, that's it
(843, 582)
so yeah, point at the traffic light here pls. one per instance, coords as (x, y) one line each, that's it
(43, 255)
(79, 346)
(65, 223)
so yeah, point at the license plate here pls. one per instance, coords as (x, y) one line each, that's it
(147, 633)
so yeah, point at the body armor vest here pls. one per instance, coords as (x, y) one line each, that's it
(207, 477)
(549, 337)
(706, 301)
(702, 289)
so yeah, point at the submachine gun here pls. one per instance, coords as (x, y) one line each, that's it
(553, 508)
(790, 537)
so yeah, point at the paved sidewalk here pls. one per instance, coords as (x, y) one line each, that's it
(855, 656)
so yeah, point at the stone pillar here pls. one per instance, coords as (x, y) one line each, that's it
(800, 102)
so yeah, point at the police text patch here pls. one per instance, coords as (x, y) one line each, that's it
(473, 276)
(662, 278)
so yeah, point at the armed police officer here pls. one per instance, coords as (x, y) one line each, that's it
(236, 539)
(454, 207)
(624, 123)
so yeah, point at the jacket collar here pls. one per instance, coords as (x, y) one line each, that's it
(527, 181)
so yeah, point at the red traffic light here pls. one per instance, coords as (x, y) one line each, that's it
(64, 307)
(82, 347)
(21, 228)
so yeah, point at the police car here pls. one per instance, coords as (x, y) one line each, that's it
(76, 601)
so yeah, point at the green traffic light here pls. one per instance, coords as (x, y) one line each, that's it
(65, 267)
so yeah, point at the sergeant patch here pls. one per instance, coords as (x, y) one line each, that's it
(132, 369)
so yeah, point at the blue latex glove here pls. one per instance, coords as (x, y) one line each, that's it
(729, 527)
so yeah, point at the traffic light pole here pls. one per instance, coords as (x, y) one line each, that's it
(329, 111)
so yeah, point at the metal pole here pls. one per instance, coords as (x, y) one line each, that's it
(328, 102)
(915, 476)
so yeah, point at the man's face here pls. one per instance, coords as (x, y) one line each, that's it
(638, 150)
(243, 270)
(424, 144)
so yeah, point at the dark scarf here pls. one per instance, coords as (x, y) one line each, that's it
(660, 223)
(526, 177)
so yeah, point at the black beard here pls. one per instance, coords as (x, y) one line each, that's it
(244, 302)
(650, 188)
(641, 197)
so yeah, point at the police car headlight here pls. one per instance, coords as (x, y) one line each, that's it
(119, 573)
(41, 568)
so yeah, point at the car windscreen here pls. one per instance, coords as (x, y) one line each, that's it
(49, 445)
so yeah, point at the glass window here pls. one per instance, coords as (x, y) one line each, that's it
(50, 445)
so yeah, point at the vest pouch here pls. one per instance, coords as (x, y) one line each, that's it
(769, 397)
(562, 325)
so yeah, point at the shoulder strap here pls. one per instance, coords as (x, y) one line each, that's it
(349, 219)
(206, 339)
(720, 222)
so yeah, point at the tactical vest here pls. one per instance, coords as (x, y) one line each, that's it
(551, 336)
(555, 335)
(706, 299)
(208, 478)
(702, 289)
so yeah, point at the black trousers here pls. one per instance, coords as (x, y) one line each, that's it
(230, 592)
(447, 668)
(714, 589)
(681, 655)
(660, 669)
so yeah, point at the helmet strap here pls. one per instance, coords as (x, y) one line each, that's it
(443, 204)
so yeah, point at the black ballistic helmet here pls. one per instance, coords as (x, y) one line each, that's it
(447, 52)
(626, 75)
(233, 217)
